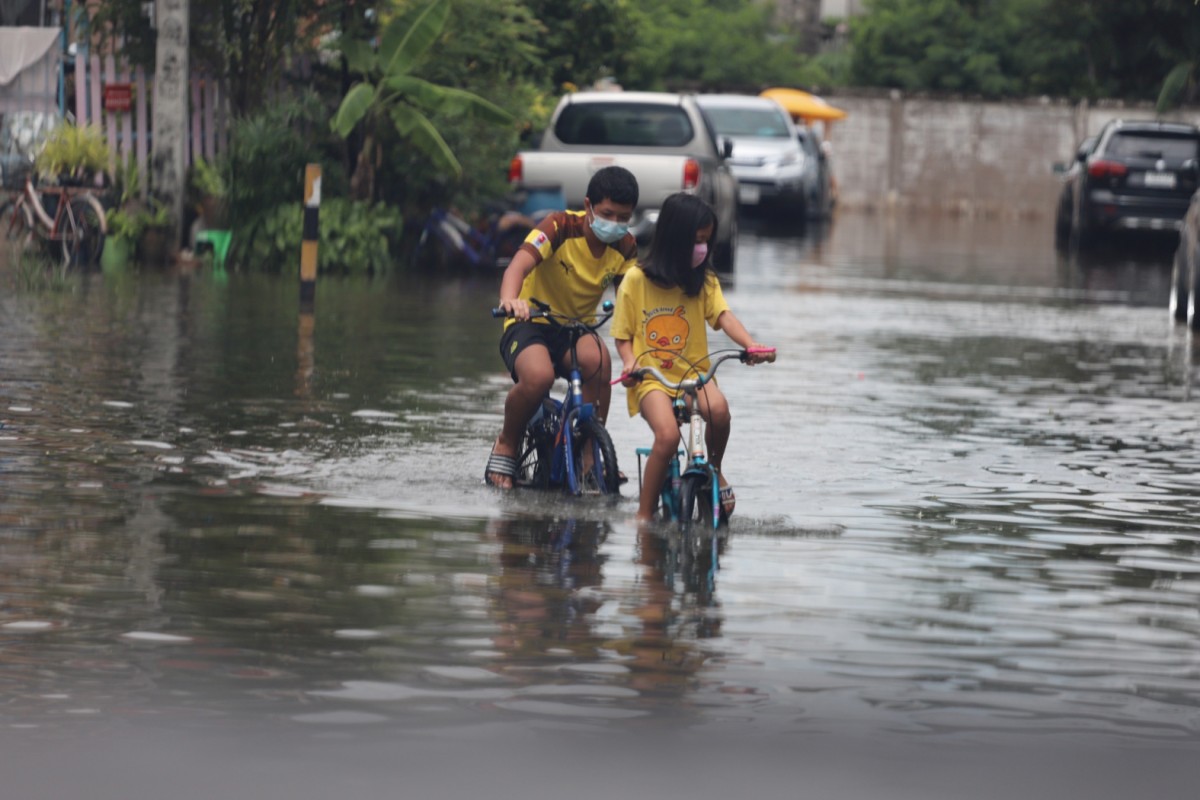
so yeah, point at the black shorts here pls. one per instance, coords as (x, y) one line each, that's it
(520, 335)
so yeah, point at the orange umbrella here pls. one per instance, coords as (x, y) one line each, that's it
(803, 105)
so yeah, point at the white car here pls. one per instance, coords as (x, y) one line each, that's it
(662, 138)
(777, 165)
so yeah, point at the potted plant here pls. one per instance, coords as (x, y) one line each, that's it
(146, 226)
(124, 223)
(73, 154)
(154, 244)
(208, 185)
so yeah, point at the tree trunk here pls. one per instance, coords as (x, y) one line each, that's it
(169, 160)
(802, 17)
(810, 26)
(362, 182)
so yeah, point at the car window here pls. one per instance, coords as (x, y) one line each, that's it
(1153, 145)
(766, 123)
(624, 125)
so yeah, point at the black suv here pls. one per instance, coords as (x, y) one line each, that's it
(1133, 175)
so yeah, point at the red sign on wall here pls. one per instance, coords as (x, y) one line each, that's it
(118, 96)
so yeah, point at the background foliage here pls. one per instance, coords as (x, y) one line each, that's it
(1005, 48)
(522, 55)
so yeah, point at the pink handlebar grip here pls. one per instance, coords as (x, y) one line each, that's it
(769, 352)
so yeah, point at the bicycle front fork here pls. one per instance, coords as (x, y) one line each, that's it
(669, 497)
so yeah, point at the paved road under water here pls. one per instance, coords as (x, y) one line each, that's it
(249, 554)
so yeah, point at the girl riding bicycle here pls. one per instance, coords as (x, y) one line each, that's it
(662, 306)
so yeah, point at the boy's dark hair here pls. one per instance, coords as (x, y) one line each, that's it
(615, 183)
(669, 262)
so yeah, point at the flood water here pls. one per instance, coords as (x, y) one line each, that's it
(249, 553)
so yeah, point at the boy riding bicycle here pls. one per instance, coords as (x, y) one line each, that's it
(567, 261)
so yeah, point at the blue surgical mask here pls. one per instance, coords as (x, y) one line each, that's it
(608, 231)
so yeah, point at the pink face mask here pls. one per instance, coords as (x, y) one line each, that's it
(699, 253)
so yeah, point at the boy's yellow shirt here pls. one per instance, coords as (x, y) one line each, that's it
(666, 328)
(567, 276)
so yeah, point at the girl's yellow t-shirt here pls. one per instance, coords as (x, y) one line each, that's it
(666, 328)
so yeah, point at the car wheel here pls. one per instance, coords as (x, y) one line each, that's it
(795, 213)
(1062, 221)
(1190, 275)
(725, 253)
(1083, 235)
(1179, 290)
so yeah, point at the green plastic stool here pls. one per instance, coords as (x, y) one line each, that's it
(220, 244)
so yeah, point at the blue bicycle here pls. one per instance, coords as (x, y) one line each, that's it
(565, 444)
(447, 240)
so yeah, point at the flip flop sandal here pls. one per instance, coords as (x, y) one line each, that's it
(728, 502)
(500, 465)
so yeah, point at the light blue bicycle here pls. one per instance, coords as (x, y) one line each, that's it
(691, 493)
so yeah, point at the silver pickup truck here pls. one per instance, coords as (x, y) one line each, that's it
(663, 139)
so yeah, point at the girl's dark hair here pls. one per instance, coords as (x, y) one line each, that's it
(669, 261)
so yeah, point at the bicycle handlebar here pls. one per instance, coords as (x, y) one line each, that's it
(692, 384)
(542, 311)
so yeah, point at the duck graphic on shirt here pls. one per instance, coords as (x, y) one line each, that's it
(666, 335)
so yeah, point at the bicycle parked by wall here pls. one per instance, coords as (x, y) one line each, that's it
(67, 218)
(565, 444)
(690, 494)
(447, 240)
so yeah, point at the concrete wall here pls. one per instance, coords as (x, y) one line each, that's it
(966, 157)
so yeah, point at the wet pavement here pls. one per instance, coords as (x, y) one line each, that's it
(245, 552)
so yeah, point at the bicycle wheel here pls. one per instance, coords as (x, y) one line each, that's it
(427, 253)
(594, 458)
(16, 222)
(507, 244)
(696, 503)
(72, 237)
(537, 448)
(89, 222)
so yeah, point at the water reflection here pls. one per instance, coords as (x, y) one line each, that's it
(953, 256)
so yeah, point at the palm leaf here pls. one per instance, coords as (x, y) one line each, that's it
(472, 105)
(419, 92)
(432, 97)
(1174, 86)
(360, 57)
(404, 43)
(354, 107)
(414, 126)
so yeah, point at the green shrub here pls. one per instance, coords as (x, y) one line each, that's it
(267, 155)
(355, 237)
(207, 180)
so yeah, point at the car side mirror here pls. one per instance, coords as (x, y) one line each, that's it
(1081, 156)
(726, 147)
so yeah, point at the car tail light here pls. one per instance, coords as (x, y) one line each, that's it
(516, 170)
(691, 173)
(1106, 169)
